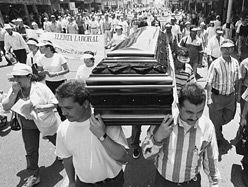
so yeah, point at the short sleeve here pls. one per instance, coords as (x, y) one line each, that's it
(61, 150)
(117, 135)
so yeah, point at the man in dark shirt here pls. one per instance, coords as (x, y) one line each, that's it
(242, 33)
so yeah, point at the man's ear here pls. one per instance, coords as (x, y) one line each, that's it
(86, 104)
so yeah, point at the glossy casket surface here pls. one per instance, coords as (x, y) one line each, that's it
(133, 85)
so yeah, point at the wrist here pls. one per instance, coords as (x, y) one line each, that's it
(157, 141)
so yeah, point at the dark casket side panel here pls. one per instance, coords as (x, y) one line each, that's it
(132, 85)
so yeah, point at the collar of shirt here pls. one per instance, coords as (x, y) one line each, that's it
(184, 124)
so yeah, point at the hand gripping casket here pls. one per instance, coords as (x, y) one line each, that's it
(133, 85)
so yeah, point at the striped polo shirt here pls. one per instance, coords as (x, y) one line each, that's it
(185, 76)
(222, 75)
(180, 156)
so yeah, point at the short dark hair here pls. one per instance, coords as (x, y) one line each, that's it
(74, 89)
(192, 92)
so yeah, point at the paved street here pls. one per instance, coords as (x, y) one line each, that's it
(138, 173)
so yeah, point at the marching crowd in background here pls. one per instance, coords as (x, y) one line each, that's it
(195, 40)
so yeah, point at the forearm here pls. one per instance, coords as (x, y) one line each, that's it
(114, 150)
(9, 101)
(150, 148)
(49, 107)
(245, 110)
(69, 168)
(209, 88)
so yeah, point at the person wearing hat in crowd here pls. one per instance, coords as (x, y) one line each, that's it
(183, 71)
(92, 153)
(34, 26)
(210, 30)
(46, 25)
(36, 101)
(171, 38)
(222, 88)
(155, 22)
(55, 26)
(33, 56)
(118, 37)
(72, 27)
(213, 47)
(184, 143)
(176, 29)
(21, 28)
(186, 29)
(202, 34)
(194, 45)
(86, 68)
(15, 41)
(53, 65)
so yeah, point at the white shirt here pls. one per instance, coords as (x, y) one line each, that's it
(90, 159)
(175, 30)
(84, 72)
(15, 41)
(53, 65)
(213, 47)
(31, 55)
(210, 32)
(118, 38)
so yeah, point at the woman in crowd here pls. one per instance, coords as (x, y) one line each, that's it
(33, 56)
(37, 104)
(86, 68)
(54, 66)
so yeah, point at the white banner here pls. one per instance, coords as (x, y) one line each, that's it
(72, 46)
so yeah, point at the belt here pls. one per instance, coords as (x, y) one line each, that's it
(188, 182)
(94, 28)
(107, 29)
(217, 92)
(107, 180)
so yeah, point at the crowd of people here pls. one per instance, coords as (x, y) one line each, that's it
(92, 153)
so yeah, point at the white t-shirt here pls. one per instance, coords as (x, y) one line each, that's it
(118, 38)
(90, 159)
(84, 72)
(53, 65)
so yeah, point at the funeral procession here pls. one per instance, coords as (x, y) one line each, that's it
(124, 93)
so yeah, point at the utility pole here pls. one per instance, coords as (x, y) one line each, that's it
(243, 5)
(228, 18)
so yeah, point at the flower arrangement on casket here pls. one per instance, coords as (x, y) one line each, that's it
(133, 85)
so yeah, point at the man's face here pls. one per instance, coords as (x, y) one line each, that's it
(9, 31)
(190, 113)
(178, 64)
(73, 111)
(226, 51)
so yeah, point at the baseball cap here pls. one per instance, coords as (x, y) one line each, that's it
(32, 41)
(227, 43)
(187, 23)
(118, 27)
(45, 42)
(7, 26)
(20, 69)
(219, 30)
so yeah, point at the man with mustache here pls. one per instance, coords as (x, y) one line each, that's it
(183, 143)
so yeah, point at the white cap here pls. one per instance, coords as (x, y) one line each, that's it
(227, 43)
(85, 56)
(45, 42)
(20, 69)
(7, 26)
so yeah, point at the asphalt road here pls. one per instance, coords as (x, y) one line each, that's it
(138, 173)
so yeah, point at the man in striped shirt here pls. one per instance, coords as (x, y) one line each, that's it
(183, 143)
(222, 83)
(183, 71)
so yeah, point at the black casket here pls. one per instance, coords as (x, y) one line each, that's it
(133, 85)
